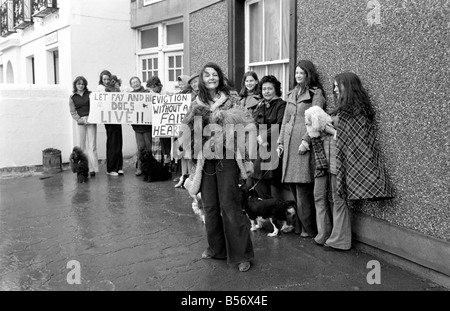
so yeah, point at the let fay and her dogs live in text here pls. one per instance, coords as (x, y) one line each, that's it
(313, 152)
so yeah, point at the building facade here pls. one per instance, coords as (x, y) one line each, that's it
(398, 48)
(46, 44)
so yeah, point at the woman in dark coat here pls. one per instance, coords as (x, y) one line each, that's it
(270, 111)
(143, 132)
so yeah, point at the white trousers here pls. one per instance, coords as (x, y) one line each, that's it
(88, 143)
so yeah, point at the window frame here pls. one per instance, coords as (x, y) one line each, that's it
(161, 50)
(282, 61)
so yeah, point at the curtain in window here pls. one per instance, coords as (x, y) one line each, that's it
(272, 30)
(285, 29)
(256, 32)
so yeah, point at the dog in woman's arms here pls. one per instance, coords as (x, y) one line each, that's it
(79, 164)
(152, 169)
(275, 210)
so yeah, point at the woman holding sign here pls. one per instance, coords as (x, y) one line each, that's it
(79, 109)
(217, 176)
(114, 142)
(142, 132)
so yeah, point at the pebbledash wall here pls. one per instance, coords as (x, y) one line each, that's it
(209, 41)
(400, 49)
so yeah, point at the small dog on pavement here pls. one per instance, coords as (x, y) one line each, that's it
(152, 169)
(276, 210)
(79, 164)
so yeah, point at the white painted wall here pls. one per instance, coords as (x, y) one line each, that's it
(33, 118)
(36, 117)
(92, 36)
(102, 39)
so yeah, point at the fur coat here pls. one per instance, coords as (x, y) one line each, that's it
(227, 110)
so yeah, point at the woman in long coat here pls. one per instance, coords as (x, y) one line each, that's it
(295, 144)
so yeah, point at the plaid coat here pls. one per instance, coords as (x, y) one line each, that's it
(360, 173)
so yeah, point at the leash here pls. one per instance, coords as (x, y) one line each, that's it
(267, 171)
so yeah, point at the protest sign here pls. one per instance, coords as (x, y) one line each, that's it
(121, 108)
(168, 112)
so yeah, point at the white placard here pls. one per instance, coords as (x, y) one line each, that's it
(121, 108)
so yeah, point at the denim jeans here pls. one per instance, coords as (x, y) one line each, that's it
(227, 227)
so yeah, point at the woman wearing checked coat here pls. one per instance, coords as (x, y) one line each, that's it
(294, 143)
(358, 172)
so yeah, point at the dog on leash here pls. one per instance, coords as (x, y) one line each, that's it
(275, 210)
(79, 164)
(152, 169)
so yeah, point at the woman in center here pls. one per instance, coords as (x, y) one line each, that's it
(294, 142)
(218, 177)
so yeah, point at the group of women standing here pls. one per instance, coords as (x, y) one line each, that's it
(341, 173)
(79, 105)
(344, 161)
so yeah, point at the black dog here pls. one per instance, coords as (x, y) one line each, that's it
(152, 169)
(275, 210)
(79, 164)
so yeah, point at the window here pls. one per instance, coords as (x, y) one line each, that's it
(175, 34)
(149, 38)
(31, 78)
(161, 53)
(53, 66)
(149, 67)
(267, 39)
(174, 66)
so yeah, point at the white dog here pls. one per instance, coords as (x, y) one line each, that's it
(316, 120)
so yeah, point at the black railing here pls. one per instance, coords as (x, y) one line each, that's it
(7, 18)
(42, 8)
(22, 14)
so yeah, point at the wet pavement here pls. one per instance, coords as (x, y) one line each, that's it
(134, 236)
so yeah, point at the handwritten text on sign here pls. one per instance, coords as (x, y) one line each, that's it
(121, 108)
(168, 112)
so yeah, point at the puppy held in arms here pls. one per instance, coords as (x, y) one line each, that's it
(275, 210)
(152, 169)
(79, 164)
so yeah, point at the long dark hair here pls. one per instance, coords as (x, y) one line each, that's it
(103, 73)
(80, 78)
(312, 79)
(244, 91)
(203, 93)
(276, 84)
(353, 98)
